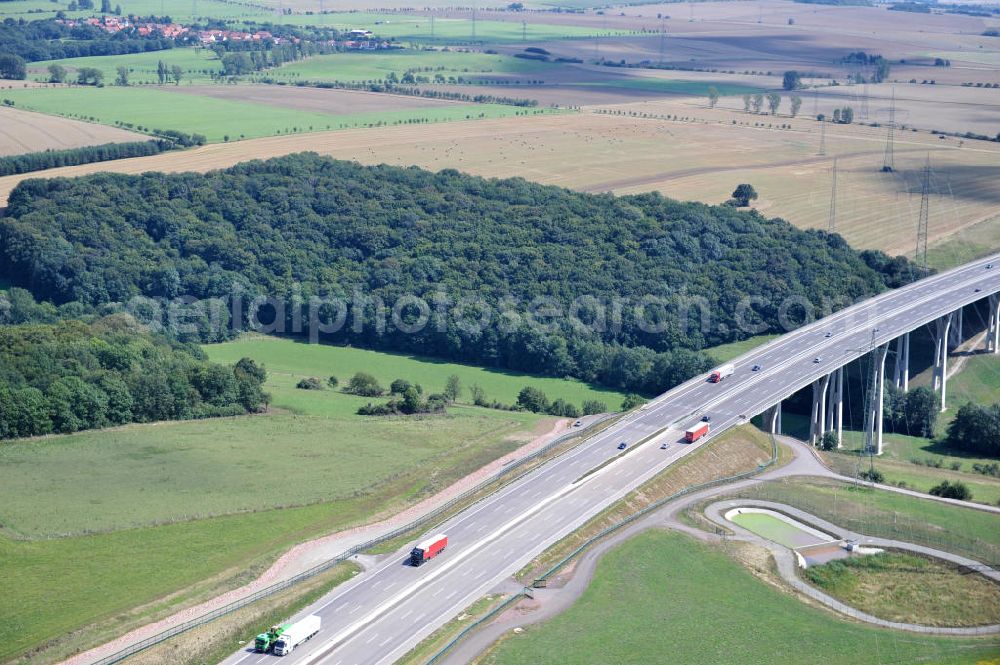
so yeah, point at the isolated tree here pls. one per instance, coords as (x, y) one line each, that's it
(177, 73)
(758, 102)
(453, 388)
(836, 115)
(105, 6)
(791, 81)
(847, 115)
(57, 73)
(796, 104)
(85, 75)
(744, 194)
(364, 384)
(162, 72)
(12, 67)
(122, 78)
(746, 103)
(411, 401)
(399, 386)
(713, 96)
(332, 382)
(773, 102)
(532, 399)
(632, 401)
(478, 394)
(829, 441)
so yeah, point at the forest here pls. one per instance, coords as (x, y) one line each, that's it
(302, 226)
(49, 40)
(72, 376)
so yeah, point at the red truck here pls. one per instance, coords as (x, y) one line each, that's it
(694, 433)
(428, 549)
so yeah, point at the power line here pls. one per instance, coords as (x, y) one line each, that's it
(663, 38)
(924, 218)
(833, 198)
(822, 136)
(888, 160)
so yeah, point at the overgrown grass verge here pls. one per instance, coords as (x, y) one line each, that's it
(437, 640)
(883, 514)
(906, 587)
(738, 451)
(504, 479)
(214, 641)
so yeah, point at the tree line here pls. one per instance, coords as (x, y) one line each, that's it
(73, 376)
(304, 225)
(50, 159)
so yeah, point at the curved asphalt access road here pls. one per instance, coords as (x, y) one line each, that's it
(386, 611)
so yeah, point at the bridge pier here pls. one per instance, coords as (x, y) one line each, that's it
(877, 412)
(993, 331)
(955, 338)
(942, 327)
(835, 406)
(901, 370)
(817, 423)
(772, 419)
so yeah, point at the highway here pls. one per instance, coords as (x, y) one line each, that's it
(383, 613)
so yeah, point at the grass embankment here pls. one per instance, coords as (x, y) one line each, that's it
(900, 586)
(215, 641)
(740, 450)
(437, 640)
(966, 245)
(217, 119)
(664, 593)
(968, 532)
(726, 352)
(126, 525)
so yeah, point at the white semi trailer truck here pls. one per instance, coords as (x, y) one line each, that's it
(296, 634)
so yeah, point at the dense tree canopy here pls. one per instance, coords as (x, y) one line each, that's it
(49, 40)
(303, 226)
(976, 429)
(73, 376)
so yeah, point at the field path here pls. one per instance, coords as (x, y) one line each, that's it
(567, 586)
(306, 555)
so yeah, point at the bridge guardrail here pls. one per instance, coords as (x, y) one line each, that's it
(272, 589)
(540, 582)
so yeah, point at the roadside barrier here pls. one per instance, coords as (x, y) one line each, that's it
(144, 644)
(540, 582)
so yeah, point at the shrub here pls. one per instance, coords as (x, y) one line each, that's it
(956, 490)
(311, 383)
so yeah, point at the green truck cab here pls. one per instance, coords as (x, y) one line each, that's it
(265, 641)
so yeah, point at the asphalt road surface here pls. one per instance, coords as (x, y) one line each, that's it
(384, 612)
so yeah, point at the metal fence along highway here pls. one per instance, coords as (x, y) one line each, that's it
(424, 520)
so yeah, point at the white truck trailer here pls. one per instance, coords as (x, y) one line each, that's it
(296, 634)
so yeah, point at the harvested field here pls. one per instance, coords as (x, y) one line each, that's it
(23, 131)
(701, 158)
(945, 108)
(337, 102)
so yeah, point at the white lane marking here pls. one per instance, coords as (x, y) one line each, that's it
(408, 613)
(445, 567)
(371, 639)
(243, 658)
(385, 641)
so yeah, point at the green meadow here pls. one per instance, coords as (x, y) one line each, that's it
(218, 118)
(665, 597)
